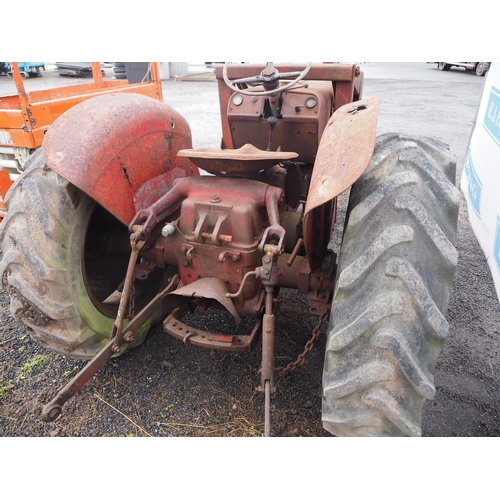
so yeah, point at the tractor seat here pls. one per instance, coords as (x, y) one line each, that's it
(243, 162)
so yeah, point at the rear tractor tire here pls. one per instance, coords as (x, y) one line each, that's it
(396, 268)
(60, 260)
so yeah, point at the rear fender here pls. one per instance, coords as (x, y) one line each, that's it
(121, 150)
(344, 152)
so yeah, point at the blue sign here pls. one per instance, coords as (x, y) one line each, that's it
(468, 163)
(492, 117)
(496, 250)
(474, 184)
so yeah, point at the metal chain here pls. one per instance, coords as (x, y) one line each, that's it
(301, 359)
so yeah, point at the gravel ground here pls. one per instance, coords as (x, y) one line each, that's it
(163, 388)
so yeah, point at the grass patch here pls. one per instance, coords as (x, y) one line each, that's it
(36, 361)
(5, 388)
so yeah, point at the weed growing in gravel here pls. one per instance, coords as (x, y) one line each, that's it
(5, 388)
(28, 367)
(37, 360)
(253, 432)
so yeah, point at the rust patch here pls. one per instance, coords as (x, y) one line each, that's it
(344, 152)
(243, 162)
(110, 145)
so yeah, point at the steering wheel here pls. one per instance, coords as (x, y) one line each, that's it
(269, 76)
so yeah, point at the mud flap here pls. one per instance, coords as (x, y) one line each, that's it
(121, 150)
(344, 152)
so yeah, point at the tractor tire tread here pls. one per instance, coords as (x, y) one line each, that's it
(394, 279)
(42, 209)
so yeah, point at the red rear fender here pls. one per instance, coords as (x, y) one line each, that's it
(121, 150)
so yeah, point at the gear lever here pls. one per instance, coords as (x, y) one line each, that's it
(272, 120)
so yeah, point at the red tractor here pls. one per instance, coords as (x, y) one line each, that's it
(111, 229)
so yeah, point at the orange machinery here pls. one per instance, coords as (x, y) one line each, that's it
(26, 116)
(5, 184)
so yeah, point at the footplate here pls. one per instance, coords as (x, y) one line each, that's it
(194, 336)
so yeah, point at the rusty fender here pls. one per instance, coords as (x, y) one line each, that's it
(121, 150)
(344, 152)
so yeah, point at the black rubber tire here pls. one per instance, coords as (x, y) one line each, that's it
(396, 268)
(55, 267)
(480, 69)
(443, 66)
(119, 70)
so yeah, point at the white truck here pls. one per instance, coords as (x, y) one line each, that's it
(481, 174)
(479, 67)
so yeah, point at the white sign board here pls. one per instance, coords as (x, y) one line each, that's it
(481, 175)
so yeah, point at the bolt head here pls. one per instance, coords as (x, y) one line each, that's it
(129, 337)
